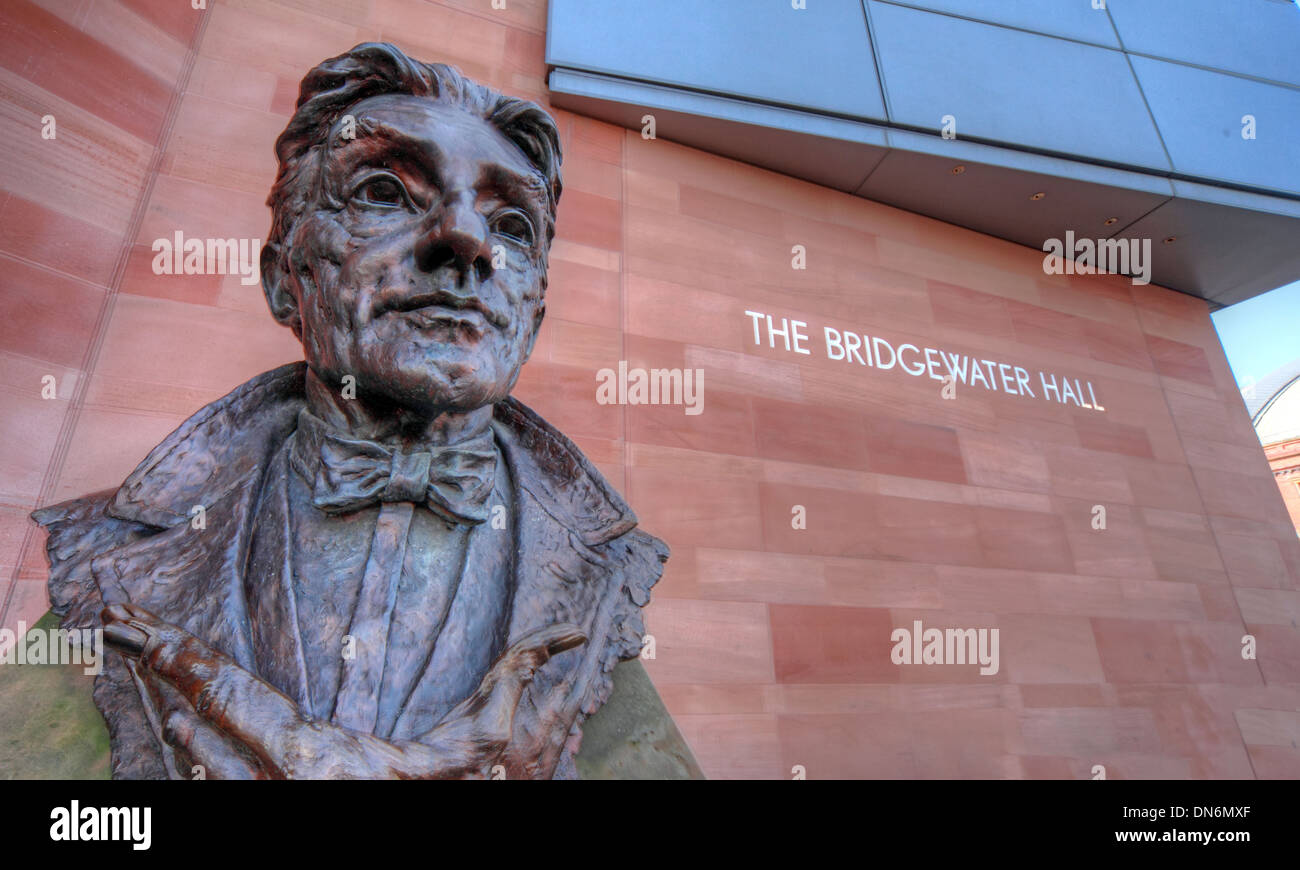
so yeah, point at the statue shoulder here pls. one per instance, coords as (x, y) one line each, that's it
(79, 530)
(640, 559)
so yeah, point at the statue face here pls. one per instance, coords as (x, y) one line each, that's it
(426, 285)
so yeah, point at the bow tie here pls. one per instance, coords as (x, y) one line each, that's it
(350, 474)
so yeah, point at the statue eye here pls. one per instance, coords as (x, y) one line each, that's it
(514, 225)
(383, 190)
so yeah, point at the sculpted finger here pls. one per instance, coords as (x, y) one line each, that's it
(220, 691)
(535, 649)
(477, 730)
(121, 636)
(515, 670)
(206, 748)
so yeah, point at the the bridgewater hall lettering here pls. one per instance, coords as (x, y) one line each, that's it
(936, 363)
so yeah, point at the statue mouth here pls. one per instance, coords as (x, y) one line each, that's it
(438, 318)
(441, 308)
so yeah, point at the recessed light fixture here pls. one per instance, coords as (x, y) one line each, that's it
(1038, 196)
(1169, 240)
(958, 170)
(1110, 221)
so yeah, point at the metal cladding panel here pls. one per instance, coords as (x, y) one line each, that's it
(1223, 253)
(829, 151)
(1251, 37)
(1071, 19)
(1004, 85)
(1153, 144)
(994, 191)
(1200, 112)
(818, 58)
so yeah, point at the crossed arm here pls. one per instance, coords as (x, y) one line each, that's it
(239, 727)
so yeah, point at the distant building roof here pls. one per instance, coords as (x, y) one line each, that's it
(1275, 406)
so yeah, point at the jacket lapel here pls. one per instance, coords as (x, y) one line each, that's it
(575, 564)
(190, 577)
(190, 572)
(558, 580)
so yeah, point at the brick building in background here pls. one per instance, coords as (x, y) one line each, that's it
(1274, 406)
(1119, 646)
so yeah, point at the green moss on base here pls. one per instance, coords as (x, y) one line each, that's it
(49, 727)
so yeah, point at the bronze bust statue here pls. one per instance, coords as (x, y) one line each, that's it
(375, 563)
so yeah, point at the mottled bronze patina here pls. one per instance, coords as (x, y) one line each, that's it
(375, 563)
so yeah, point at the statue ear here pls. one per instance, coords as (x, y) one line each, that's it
(275, 284)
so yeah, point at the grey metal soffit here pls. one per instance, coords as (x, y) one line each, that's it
(1129, 120)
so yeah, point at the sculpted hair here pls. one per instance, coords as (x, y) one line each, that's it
(372, 69)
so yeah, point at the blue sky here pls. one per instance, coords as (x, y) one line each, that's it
(1261, 334)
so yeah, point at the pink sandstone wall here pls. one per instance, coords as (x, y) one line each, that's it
(1118, 647)
(1284, 458)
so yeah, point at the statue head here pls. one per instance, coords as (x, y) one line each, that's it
(411, 220)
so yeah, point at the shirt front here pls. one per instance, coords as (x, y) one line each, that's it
(381, 618)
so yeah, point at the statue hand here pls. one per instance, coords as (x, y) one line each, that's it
(240, 727)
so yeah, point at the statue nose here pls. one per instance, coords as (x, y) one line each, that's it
(457, 236)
